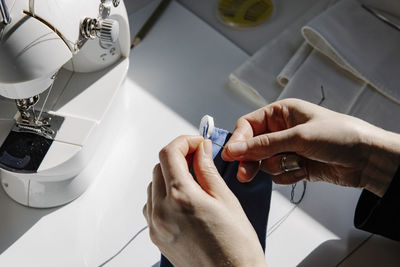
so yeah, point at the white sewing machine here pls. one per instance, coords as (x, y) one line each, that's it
(61, 66)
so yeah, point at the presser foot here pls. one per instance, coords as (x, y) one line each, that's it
(28, 142)
(46, 126)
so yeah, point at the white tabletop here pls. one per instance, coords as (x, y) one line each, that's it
(174, 79)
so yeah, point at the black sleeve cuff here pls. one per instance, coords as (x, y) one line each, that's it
(380, 215)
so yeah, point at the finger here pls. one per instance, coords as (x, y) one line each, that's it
(250, 125)
(272, 165)
(278, 116)
(144, 212)
(320, 171)
(267, 119)
(206, 173)
(247, 170)
(267, 145)
(158, 187)
(311, 170)
(148, 208)
(173, 161)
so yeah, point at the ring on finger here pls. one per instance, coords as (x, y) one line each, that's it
(290, 162)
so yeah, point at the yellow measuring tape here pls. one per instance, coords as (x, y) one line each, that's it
(244, 13)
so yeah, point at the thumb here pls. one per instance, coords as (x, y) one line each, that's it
(264, 146)
(206, 173)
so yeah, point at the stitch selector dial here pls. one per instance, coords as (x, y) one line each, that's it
(107, 30)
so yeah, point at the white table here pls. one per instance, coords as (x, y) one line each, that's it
(166, 95)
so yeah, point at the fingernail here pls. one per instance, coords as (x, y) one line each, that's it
(238, 148)
(207, 145)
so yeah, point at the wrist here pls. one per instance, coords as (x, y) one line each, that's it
(383, 161)
(258, 261)
(248, 253)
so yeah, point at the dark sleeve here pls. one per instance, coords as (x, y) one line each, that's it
(380, 215)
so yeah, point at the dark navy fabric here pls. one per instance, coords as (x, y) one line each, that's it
(254, 196)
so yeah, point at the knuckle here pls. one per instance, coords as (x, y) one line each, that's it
(181, 200)
(153, 235)
(300, 136)
(172, 147)
(180, 140)
(164, 152)
(208, 170)
(157, 168)
(176, 194)
(242, 124)
(158, 216)
(240, 121)
(260, 141)
(157, 223)
(279, 179)
(291, 101)
(144, 210)
(207, 165)
(210, 173)
(287, 118)
(264, 140)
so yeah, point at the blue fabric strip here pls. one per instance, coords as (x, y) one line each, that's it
(254, 196)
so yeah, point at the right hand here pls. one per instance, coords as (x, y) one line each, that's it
(331, 147)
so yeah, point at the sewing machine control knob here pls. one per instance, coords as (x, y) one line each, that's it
(107, 30)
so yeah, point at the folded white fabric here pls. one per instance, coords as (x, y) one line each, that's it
(321, 81)
(324, 79)
(354, 68)
(360, 43)
(256, 78)
(294, 64)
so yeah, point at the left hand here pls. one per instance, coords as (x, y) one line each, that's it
(197, 224)
(322, 144)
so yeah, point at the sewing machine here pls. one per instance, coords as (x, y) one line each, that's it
(61, 67)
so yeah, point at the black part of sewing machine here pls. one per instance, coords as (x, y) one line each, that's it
(23, 152)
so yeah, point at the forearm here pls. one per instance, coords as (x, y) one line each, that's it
(383, 160)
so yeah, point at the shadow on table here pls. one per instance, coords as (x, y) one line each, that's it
(329, 253)
(378, 251)
(334, 207)
(16, 220)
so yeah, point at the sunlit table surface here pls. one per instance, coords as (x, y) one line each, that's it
(174, 79)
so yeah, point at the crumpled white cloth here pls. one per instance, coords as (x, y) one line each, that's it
(360, 43)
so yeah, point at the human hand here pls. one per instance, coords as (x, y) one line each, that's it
(197, 224)
(325, 145)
